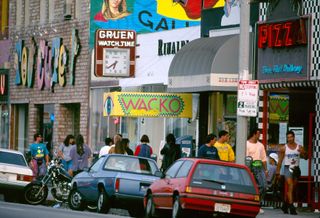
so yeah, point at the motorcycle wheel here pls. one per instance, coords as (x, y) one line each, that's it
(75, 200)
(31, 191)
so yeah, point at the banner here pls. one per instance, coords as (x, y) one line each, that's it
(141, 104)
(145, 16)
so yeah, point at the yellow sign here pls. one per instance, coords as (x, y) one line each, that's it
(142, 104)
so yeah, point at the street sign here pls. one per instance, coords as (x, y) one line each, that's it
(248, 97)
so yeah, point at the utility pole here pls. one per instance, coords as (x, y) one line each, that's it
(242, 122)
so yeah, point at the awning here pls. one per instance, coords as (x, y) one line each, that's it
(206, 64)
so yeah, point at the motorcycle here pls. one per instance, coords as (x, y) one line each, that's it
(36, 192)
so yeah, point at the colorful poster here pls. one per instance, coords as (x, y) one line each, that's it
(278, 108)
(144, 16)
(142, 104)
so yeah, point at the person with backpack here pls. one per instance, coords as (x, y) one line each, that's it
(143, 149)
(171, 152)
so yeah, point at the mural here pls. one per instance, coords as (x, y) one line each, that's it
(146, 16)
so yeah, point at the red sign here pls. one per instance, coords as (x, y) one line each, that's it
(284, 34)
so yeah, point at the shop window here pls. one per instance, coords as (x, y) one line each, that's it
(44, 11)
(19, 14)
(27, 13)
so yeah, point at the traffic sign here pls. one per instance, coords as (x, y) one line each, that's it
(248, 97)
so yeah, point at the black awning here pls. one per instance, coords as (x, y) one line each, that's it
(206, 64)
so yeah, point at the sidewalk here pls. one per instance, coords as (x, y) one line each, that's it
(302, 212)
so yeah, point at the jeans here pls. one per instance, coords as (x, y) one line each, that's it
(261, 179)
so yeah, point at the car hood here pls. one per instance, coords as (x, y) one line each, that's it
(9, 168)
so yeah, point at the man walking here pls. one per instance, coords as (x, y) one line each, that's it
(290, 154)
(256, 150)
(225, 150)
(208, 150)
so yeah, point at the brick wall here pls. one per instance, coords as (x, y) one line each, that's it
(77, 94)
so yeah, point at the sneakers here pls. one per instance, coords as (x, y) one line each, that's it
(261, 211)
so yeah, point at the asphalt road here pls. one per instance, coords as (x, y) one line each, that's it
(12, 210)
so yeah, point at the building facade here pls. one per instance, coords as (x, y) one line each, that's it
(288, 71)
(49, 71)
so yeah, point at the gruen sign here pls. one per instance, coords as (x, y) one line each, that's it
(141, 104)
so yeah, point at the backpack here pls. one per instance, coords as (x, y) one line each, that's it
(145, 151)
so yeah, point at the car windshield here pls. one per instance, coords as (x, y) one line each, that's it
(12, 158)
(213, 176)
(131, 164)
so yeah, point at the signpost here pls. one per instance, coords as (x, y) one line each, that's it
(247, 104)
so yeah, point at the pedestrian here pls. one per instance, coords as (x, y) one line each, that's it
(80, 154)
(39, 156)
(170, 151)
(119, 148)
(64, 152)
(107, 145)
(290, 155)
(225, 150)
(143, 149)
(256, 150)
(208, 150)
(272, 168)
(126, 142)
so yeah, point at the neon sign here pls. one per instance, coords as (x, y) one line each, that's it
(284, 34)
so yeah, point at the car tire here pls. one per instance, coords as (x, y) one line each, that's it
(177, 211)
(75, 200)
(103, 204)
(150, 210)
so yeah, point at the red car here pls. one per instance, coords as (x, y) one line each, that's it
(204, 187)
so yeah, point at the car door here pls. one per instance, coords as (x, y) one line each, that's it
(163, 192)
(87, 184)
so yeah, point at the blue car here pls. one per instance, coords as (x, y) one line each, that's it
(114, 181)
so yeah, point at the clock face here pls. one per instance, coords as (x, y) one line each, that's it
(116, 62)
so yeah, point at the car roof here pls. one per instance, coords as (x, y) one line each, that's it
(217, 162)
(129, 156)
(11, 151)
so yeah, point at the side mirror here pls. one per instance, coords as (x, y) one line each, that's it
(159, 174)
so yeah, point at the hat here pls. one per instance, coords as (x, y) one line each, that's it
(274, 156)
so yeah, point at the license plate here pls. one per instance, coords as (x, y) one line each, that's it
(223, 208)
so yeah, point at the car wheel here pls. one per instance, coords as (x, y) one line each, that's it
(103, 204)
(75, 200)
(150, 207)
(176, 208)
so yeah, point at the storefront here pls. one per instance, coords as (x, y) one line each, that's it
(48, 77)
(289, 88)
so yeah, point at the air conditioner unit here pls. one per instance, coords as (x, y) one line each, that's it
(67, 10)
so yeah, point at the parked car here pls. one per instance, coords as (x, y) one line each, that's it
(15, 174)
(204, 187)
(114, 181)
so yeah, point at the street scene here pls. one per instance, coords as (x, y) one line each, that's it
(159, 108)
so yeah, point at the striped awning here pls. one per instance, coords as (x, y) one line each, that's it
(289, 84)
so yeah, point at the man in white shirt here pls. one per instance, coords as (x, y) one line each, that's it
(105, 149)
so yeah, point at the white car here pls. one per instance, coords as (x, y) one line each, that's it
(15, 174)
